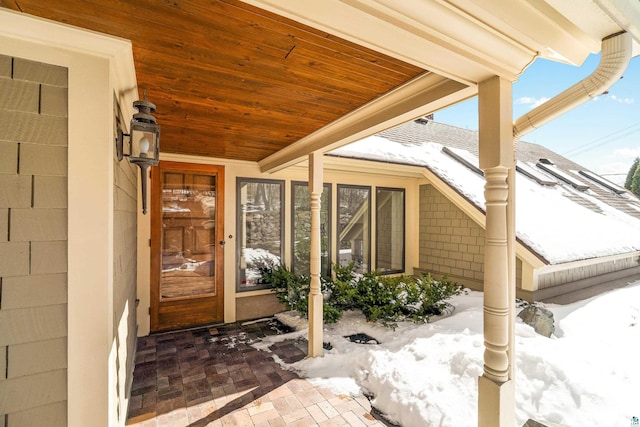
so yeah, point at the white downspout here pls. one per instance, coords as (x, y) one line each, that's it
(615, 56)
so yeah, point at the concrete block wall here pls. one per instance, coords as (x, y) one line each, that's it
(33, 243)
(451, 243)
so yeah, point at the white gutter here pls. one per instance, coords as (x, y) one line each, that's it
(615, 57)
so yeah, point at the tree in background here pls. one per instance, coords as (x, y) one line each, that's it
(635, 182)
(632, 182)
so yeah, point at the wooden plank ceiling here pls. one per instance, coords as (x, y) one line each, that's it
(231, 80)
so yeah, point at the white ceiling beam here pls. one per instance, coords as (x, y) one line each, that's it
(426, 93)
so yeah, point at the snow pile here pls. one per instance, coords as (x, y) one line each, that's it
(586, 374)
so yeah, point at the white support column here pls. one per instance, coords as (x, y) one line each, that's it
(496, 400)
(511, 256)
(315, 293)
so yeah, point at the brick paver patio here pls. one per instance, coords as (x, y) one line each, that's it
(214, 377)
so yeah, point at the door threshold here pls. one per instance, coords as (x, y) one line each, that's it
(187, 329)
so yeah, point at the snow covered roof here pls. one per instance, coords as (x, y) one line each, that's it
(577, 218)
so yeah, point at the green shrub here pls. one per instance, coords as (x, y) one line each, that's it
(387, 299)
(330, 313)
(292, 289)
(434, 293)
(376, 297)
(344, 289)
(391, 299)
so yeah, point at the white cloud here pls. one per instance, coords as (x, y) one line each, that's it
(628, 153)
(531, 101)
(525, 100)
(621, 100)
(540, 102)
(534, 102)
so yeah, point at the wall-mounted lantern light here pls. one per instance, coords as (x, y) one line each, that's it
(144, 142)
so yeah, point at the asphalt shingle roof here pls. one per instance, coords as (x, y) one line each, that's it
(413, 134)
(551, 231)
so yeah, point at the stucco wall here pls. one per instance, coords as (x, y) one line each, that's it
(33, 243)
(451, 243)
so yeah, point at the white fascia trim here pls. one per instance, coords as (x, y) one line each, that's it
(189, 158)
(54, 34)
(331, 163)
(351, 165)
(456, 31)
(625, 13)
(586, 262)
(465, 40)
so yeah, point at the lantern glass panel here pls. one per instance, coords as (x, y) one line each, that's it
(142, 144)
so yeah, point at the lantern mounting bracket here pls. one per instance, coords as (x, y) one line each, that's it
(144, 142)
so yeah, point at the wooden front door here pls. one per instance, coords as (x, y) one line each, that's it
(187, 238)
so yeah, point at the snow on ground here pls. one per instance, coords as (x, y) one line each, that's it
(586, 374)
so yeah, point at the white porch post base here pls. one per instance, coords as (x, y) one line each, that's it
(315, 325)
(496, 405)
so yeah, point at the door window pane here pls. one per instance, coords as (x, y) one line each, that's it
(188, 234)
(260, 228)
(354, 226)
(390, 230)
(301, 220)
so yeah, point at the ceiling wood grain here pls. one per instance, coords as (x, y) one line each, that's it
(231, 80)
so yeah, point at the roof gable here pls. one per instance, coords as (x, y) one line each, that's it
(559, 223)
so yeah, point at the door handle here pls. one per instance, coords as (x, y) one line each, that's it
(222, 242)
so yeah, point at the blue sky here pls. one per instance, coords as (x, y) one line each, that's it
(603, 134)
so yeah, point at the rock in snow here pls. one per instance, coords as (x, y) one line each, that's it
(539, 318)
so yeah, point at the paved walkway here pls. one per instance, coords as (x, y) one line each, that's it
(214, 377)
